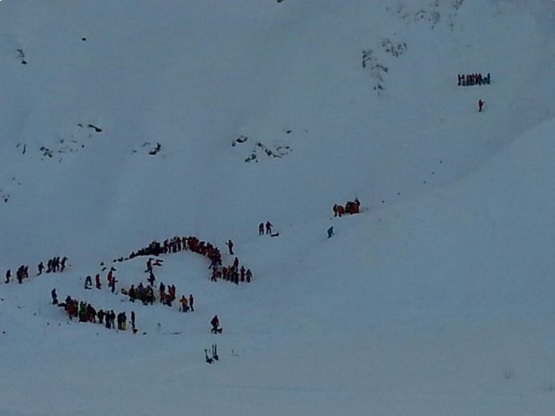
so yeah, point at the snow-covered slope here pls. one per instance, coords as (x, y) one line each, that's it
(128, 121)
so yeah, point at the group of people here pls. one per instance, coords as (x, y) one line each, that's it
(146, 293)
(265, 228)
(231, 273)
(466, 80)
(85, 312)
(175, 245)
(21, 273)
(187, 304)
(351, 207)
(54, 265)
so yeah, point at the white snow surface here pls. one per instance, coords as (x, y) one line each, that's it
(437, 299)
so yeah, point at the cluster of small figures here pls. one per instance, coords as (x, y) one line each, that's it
(97, 282)
(54, 265)
(175, 245)
(268, 227)
(351, 207)
(145, 294)
(473, 79)
(232, 273)
(85, 312)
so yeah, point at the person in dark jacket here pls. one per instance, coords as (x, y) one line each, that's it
(269, 226)
(215, 322)
(229, 245)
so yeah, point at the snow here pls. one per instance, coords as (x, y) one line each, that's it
(437, 299)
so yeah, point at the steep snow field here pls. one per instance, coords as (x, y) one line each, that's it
(124, 122)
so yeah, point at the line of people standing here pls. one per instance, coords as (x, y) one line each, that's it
(54, 265)
(473, 79)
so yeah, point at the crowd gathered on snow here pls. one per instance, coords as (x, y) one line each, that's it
(149, 291)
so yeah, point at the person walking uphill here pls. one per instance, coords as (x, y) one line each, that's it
(480, 105)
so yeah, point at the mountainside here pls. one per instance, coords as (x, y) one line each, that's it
(132, 121)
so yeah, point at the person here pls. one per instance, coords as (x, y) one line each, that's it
(248, 275)
(184, 303)
(41, 268)
(133, 322)
(54, 297)
(110, 319)
(330, 232)
(192, 303)
(151, 278)
(113, 286)
(63, 264)
(261, 228)
(132, 293)
(269, 226)
(229, 245)
(480, 105)
(100, 315)
(8, 276)
(97, 281)
(215, 322)
(88, 282)
(123, 321)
